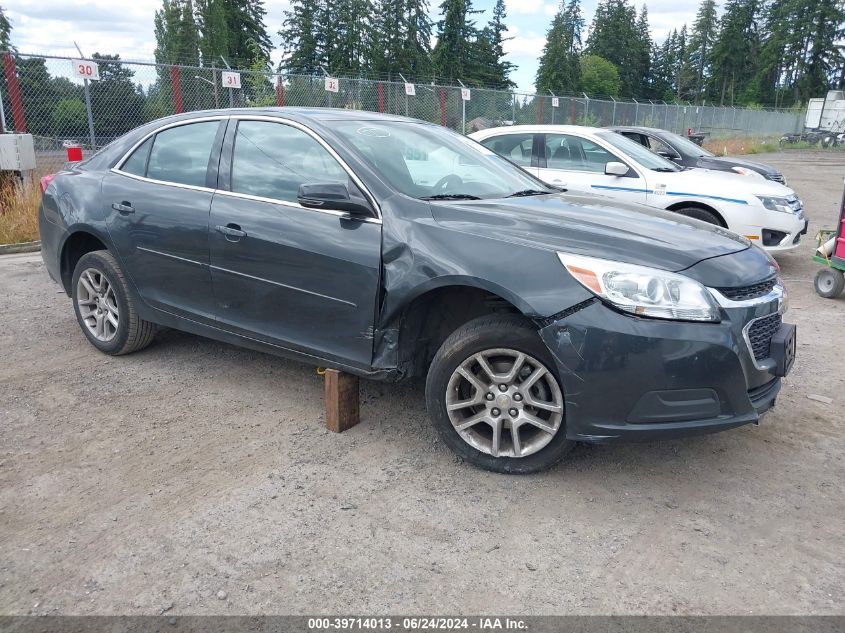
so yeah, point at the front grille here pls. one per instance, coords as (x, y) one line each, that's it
(777, 178)
(749, 292)
(760, 335)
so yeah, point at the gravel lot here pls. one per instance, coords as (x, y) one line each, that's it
(197, 478)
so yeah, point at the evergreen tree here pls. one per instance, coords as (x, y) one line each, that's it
(497, 68)
(614, 37)
(5, 32)
(454, 56)
(700, 47)
(736, 49)
(644, 54)
(176, 33)
(302, 51)
(559, 69)
(245, 22)
(214, 31)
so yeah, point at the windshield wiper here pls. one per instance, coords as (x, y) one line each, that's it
(451, 196)
(528, 192)
(666, 169)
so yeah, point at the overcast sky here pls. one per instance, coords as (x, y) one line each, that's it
(127, 28)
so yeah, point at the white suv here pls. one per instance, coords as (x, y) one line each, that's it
(593, 160)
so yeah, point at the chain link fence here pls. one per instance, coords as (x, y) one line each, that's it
(47, 97)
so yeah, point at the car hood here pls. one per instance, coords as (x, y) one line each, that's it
(722, 162)
(719, 185)
(593, 225)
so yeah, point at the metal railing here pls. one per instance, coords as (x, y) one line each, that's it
(45, 96)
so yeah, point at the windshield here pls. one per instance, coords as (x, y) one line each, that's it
(430, 162)
(643, 156)
(685, 146)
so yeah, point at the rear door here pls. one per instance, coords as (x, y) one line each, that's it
(296, 277)
(578, 163)
(157, 203)
(518, 147)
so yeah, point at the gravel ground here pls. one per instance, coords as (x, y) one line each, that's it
(198, 478)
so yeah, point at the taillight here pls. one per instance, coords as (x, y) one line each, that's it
(45, 181)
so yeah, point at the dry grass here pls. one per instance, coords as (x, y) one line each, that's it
(19, 213)
(737, 146)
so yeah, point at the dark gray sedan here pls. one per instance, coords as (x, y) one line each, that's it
(392, 248)
(687, 154)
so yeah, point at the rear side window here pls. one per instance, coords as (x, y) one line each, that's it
(136, 164)
(271, 160)
(181, 154)
(516, 147)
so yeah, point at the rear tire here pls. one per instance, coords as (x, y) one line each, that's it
(104, 307)
(829, 283)
(700, 214)
(525, 410)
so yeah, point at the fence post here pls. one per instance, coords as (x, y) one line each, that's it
(176, 87)
(586, 108)
(443, 107)
(380, 97)
(280, 92)
(573, 111)
(513, 104)
(541, 115)
(14, 93)
(613, 116)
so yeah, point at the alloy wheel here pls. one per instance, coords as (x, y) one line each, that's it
(504, 403)
(97, 304)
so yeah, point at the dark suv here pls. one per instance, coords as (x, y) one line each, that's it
(392, 248)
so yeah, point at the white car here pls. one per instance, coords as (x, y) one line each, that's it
(593, 160)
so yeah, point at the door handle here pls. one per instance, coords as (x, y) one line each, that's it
(123, 207)
(232, 232)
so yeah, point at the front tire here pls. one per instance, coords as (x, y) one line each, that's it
(829, 283)
(104, 307)
(495, 398)
(700, 214)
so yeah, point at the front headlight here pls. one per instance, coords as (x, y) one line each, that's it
(775, 204)
(641, 290)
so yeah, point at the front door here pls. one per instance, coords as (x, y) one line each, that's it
(295, 277)
(157, 205)
(578, 164)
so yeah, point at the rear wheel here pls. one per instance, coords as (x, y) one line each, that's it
(104, 307)
(495, 398)
(700, 214)
(829, 283)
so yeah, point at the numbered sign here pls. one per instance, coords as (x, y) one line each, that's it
(332, 84)
(555, 102)
(230, 79)
(83, 69)
(410, 90)
(465, 94)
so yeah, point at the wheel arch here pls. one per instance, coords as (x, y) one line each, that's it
(695, 204)
(77, 243)
(438, 309)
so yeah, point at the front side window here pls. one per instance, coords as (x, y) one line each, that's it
(515, 147)
(575, 154)
(430, 162)
(642, 155)
(180, 154)
(271, 160)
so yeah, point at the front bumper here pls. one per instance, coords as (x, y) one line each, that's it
(634, 379)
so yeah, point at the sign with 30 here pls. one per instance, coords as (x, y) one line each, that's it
(230, 79)
(465, 94)
(84, 69)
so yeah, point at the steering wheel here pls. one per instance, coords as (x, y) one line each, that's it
(447, 182)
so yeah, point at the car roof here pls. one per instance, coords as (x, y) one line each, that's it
(563, 129)
(638, 128)
(302, 115)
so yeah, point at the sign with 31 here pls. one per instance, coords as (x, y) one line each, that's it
(555, 102)
(410, 90)
(230, 79)
(84, 69)
(465, 95)
(332, 84)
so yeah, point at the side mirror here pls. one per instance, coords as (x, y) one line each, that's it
(615, 169)
(665, 153)
(331, 196)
